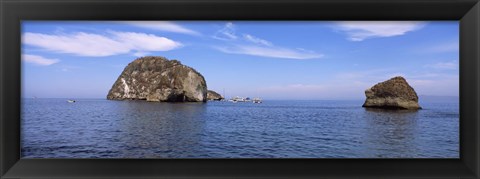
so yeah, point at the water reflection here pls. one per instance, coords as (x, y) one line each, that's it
(311, 129)
(391, 132)
(163, 127)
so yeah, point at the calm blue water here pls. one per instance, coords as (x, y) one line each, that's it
(98, 128)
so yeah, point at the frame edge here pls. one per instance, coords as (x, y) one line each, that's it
(474, 13)
(469, 52)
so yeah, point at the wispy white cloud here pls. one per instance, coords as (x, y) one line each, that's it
(140, 54)
(163, 26)
(83, 44)
(274, 52)
(145, 42)
(96, 45)
(251, 45)
(226, 33)
(39, 60)
(256, 40)
(361, 30)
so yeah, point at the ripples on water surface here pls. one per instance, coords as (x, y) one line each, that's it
(97, 128)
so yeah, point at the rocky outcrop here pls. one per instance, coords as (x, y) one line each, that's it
(212, 95)
(159, 79)
(394, 93)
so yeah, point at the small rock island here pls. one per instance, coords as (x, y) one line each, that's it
(394, 93)
(158, 79)
(212, 95)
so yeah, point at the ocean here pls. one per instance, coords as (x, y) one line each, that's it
(99, 128)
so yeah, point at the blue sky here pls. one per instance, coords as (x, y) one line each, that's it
(272, 60)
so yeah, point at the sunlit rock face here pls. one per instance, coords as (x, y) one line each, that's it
(160, 80)
(394, 93)
(212, 95)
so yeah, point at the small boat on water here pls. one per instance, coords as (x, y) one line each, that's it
(237, 99)
(247, 99)
(71, 101)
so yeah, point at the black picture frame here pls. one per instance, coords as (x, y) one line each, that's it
(12, 12)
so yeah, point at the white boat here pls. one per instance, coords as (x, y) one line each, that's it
(71, 101)
(237, 99)
(257, 100)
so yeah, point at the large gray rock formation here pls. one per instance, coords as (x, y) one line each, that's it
(394, 93)
(159, 79)
(212, 95)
